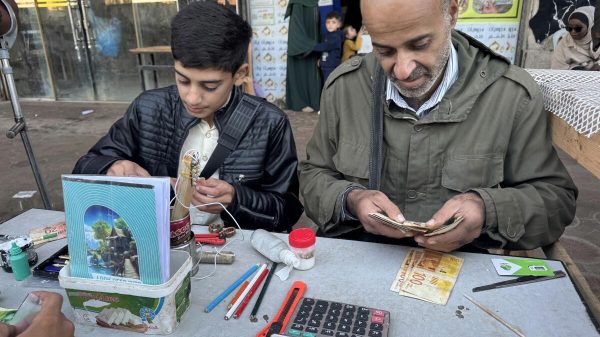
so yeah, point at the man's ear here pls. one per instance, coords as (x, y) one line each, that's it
(240, 74)
(453, 12)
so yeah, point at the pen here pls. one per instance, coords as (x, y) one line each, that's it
(237, 295)
(227, 291)
(243, 295)
(248, 297)
(262, 292)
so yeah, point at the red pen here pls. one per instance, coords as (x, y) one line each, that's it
(248, 297)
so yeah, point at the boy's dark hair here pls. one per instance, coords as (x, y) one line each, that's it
(333, 15)
(207, 35)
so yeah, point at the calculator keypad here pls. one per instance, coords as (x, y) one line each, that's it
(320, 318)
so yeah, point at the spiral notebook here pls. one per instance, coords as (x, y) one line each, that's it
(118, 227)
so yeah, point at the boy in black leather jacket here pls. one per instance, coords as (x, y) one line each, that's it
(257, 181)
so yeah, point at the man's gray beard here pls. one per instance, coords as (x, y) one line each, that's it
(431, 77)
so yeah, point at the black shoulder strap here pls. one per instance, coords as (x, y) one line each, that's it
(376, 130)
(237, 125)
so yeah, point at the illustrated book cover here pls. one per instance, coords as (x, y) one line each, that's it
(118, 227)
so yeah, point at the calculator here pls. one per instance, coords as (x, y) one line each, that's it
(319, 318)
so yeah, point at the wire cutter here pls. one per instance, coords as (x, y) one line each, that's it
(215, 239)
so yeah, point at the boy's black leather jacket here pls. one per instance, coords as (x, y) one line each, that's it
(262, 169)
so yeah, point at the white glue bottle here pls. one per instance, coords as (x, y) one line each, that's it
(275, 250)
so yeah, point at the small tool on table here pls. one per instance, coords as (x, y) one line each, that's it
(519, 281)
(285, 312)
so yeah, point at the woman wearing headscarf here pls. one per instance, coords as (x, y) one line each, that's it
(574, 51)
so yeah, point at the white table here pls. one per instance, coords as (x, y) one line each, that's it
(357, 273)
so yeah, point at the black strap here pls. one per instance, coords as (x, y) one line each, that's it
(239, 122)
(376, 131)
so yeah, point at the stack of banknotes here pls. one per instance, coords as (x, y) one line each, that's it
(416, 226)
(427, 275)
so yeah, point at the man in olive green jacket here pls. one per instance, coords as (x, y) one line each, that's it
(464, 134)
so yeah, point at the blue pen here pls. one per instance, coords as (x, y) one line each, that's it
(227, 291)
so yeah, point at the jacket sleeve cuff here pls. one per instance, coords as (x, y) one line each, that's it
(504, 221)
(345, 215)
(97, 165)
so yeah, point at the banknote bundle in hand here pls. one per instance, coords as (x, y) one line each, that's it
(427, 275)
(416, 226)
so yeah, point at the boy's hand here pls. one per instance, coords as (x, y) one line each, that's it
(126, 168)
(49, 322)
(213, 190)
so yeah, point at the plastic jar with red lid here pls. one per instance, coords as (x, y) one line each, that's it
(303, 241)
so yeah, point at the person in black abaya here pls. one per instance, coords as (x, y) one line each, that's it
(303, 84)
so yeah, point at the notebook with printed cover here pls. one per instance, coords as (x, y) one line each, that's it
(118, 227)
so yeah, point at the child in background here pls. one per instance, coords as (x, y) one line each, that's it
(351, 46)
(331, 48)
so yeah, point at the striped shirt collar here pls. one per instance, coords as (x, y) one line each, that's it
(450, 76)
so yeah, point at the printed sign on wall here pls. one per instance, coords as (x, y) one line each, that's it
(269, 46)
(493, 22)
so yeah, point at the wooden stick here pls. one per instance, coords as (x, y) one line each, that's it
(185, 190)
(495, 316)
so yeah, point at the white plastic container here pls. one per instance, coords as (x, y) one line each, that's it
(149, 309)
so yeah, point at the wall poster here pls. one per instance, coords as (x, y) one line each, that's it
(493, 22)
(269, 47)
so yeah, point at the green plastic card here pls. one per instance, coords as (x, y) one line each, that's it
(522, 267)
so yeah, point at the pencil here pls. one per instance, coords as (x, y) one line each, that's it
(262, 292)
(248, 297)
(237, 295)
(227, 291)
(243, 295)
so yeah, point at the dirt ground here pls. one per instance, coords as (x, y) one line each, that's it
(60, 134)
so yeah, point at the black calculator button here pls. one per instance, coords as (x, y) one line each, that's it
(376, 326)
(363, 310)
(327, 332)
(324, 304)
(363, 317)
(334, 312)
(320, 307)
(329, 325)
(360, 323)
(316, 316)
(337, 306)
(344, 327)
(359, 331)
(342, 334)
(303, 313)
(346, 320)
(348, 314)
(306, 307)
(300, 320)
(349, 307)
(308, 301)
(314, 322)
(331, 318)
(375, 333)
(298, 327)
(311, 329)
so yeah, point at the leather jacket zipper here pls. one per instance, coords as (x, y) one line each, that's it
(258, 215)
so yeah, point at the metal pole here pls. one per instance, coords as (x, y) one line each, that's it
(20, 127)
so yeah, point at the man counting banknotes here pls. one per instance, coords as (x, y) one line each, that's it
(435, 128)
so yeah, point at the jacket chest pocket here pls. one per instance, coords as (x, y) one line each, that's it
(352, 161)
(466, 172)
(248, 178)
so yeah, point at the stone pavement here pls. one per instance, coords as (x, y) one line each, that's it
(60, 134)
